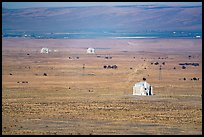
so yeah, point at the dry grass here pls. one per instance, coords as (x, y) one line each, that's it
(71, 100)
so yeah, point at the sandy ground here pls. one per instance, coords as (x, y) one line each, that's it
(94, 100)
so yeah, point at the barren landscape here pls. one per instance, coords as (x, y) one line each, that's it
(53, 94)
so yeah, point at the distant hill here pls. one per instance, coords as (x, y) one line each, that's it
(119, 18)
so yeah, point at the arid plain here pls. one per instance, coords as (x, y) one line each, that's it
(72, 100)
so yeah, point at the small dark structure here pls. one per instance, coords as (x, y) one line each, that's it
(163, 63)
(174, 67)
(144, 79)
(108, 57)
(156, 63)
(193, 64)
(195, 78)
(130, 68)
(77, 57)
(10, 74)
(28, 54)
(28, 67)
(45, 74)
(110, 67)
(184, 78)
(90, 90)
(182, 64)
(114, 66)
(183, 67)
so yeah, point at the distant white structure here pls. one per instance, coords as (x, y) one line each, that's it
(45, 50)
(90, 51)
(142, 89)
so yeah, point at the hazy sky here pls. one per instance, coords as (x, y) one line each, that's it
(17, 5)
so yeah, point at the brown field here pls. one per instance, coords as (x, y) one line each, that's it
(70, 100)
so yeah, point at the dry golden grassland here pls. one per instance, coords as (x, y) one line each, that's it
(94, 100)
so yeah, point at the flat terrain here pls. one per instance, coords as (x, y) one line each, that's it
(94, 100)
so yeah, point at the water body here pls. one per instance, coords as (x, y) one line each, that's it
(104, 34)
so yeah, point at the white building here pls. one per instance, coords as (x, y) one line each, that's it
(44, 50)
(90, 51)
(142, 89)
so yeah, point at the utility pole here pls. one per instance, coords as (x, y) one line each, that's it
(83, 68)
(160, 72)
